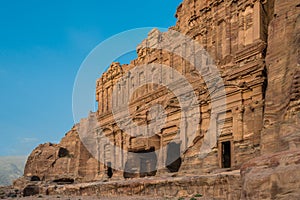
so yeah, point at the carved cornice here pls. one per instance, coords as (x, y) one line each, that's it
(250, 50)
(112, 72)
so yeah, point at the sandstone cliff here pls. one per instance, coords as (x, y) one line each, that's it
(256, 47)
(275, 175)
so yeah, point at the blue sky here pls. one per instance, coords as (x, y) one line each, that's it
(42, 45)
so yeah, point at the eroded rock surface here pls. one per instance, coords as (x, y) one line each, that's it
(255, 46)
(281, 117)
(274, 176)
(64, 162)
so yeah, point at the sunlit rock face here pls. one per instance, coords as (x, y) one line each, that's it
(255, 47)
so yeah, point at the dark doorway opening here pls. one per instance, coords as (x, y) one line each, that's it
(35, 178)
(141, 163)
(63, 152)
(226, 154)
(109, 170)
(173, 162)
(148, 162)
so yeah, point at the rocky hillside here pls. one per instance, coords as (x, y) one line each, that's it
(11, 168)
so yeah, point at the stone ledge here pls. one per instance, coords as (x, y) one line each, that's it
(224, 185)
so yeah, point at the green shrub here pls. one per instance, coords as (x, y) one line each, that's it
(198, 195)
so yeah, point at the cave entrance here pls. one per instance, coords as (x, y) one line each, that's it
(226, 154)
(173, 162)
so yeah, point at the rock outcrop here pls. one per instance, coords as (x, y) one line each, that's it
(275, 174)
(281, 117)
(272, 176)
(64, 162)
(255, 46)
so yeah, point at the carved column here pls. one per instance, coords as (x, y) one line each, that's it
(102, 173)
(238, 130)
(171, 64)
(184, 67)
(110, 102)
(241, 31)
(257, 22)
(161, 158)
(100, 105)
(228, 37)
(258, 106)
(105, 100)
(98, 139)
(183, 132)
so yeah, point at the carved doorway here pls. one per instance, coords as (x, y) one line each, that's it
(141, 163)
(107, 161)
(148, 162)
(173, 162)
(109, 170)
(226, 154)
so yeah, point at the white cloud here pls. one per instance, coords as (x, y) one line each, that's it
(29, 140)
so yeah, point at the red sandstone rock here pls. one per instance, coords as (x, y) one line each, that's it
(255, 45)
(272, 176)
